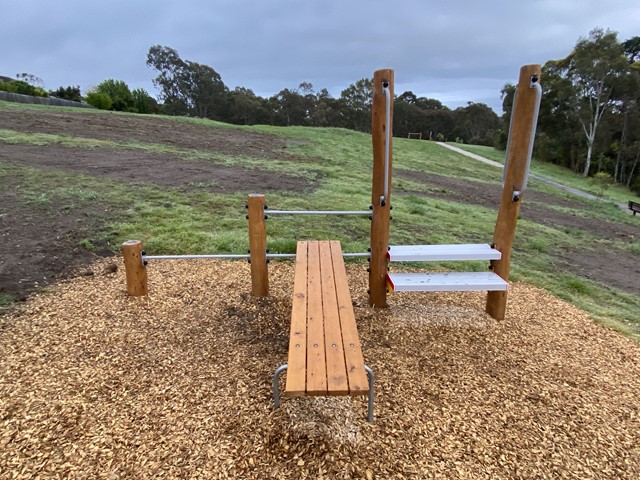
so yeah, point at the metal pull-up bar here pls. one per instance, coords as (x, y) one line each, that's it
(233, 256)
(317, 212)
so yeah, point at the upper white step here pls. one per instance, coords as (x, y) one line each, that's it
(445, 282)
(434, 253)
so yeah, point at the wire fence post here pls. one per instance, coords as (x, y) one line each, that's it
(134, 268)
(258, 246)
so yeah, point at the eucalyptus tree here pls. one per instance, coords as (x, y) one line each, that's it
(595, 71)
(186, 86)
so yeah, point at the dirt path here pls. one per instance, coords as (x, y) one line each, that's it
(574, 191)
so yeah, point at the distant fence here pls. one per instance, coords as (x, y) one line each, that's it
(59, 102)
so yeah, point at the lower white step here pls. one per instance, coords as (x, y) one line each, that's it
(445, 282)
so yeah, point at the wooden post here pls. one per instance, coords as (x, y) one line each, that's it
(519, 141)
(135, 270)
(258, 246)
(381, 213)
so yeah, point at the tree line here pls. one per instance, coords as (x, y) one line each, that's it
(589, 117)
(590, 112)
(190, 88)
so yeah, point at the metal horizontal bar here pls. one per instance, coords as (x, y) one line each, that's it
(318, 212)
(234, 256)
(190, 257)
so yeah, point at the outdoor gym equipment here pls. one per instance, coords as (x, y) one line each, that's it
(515, 176)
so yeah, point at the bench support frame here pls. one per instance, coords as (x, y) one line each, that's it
(282, 368)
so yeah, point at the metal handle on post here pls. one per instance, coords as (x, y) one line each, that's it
(536, 111)
(387, 141)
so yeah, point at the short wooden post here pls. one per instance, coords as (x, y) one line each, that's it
(381, 212)
(258, 246)
(520, 140)
(134, 268)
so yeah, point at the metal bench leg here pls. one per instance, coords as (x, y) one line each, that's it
(371, 379)
(276, 386)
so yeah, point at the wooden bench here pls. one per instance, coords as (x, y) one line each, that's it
(325, 357)
(634, 207)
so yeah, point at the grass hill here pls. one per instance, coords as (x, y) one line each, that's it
(78, 183)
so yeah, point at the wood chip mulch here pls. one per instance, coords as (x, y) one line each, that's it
(94, 384)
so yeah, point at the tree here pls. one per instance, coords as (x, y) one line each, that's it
(631, 49)
(30, 79)
(119, 93)
(327, 111)
(188, 87)
(289, 107)
(594, 70)
(420, 114)
(476, 123)
(559, 137)
(169, 66)
(143, 102)
(356, 102)
(246, 108)
(67, 93)
(507, 93)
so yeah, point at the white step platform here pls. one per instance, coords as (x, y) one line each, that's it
(435, 253)
(445, 282)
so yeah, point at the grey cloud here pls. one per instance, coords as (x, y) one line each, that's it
(455, 51)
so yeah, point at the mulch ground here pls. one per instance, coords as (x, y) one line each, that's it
(95, 384)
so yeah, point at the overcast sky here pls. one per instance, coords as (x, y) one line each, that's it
(455, 51)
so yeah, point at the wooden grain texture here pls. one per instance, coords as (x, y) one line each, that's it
(297, 361)
(137, 284)
(505, 228)
(258, 246)
(316, 360)
(337, 383)
(323, 326)
(381, 214)
(354, 361)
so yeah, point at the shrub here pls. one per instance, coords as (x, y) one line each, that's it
(119, 93)
(23, 88)
(99, 100)
(67, 93)
(601, 181)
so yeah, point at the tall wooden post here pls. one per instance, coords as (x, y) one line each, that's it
(134, 268)
(381, 209)
(520, 139)
(258, 246)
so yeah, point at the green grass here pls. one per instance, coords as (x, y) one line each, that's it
(195, 220)
(6, 299)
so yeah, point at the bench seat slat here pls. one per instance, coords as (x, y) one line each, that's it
(337, 383)
(357, 376)
(297, 371)
(316, 359)
(325, 356)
